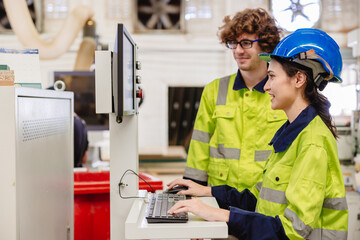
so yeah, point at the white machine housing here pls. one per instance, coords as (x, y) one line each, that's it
(36, 174)
(123, 148)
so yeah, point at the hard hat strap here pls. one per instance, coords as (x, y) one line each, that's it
(311, 55)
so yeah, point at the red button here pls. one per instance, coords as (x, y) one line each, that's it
(139, 93)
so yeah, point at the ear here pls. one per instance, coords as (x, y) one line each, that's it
(300, 80)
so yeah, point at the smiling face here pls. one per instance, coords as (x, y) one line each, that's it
(287, 88)
(248, 59)
(280, 86)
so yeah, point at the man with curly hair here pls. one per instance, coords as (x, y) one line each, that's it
(235, 122)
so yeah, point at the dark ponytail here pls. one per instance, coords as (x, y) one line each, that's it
(320, 103)
(316, 99)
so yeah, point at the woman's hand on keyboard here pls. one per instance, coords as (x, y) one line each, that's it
(197, 207)
(194, 189)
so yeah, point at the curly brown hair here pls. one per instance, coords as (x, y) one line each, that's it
(251, 21)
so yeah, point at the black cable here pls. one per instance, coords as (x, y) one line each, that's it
(121, 184)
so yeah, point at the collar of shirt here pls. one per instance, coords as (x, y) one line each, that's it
(288, 132)
(240, 84)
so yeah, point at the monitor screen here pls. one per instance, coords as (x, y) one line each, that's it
(82, 83)
(124, 74)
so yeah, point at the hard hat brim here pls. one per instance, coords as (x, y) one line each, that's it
(265, 56)
(268, 56)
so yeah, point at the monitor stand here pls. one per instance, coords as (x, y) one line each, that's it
(123, 156)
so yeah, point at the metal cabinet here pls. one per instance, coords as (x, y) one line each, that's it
(36, 157)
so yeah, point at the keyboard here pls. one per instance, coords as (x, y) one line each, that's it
(158, 206)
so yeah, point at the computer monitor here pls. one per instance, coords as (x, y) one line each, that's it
(123, 66)
(82, 83)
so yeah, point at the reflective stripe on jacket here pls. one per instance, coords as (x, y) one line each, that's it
(231, 134)
(304, 186)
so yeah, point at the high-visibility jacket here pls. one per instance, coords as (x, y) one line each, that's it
(232, 130)
(302, 189)
(304, 182)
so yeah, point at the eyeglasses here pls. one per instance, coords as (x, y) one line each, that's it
(245, 44)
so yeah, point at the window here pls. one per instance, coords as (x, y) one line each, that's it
(118, 9)
(343, 97)
(198, 9)
(56, 8)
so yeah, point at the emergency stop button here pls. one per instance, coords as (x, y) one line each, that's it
(139, 93)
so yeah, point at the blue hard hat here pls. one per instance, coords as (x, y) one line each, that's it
(306, 39)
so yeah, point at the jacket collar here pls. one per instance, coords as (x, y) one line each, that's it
(240, 84)
(288, 132)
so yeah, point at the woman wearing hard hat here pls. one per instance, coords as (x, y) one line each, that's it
(302, 195)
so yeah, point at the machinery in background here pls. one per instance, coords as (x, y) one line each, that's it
(349, 145)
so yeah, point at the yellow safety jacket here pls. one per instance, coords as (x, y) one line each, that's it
(303, 183)
(232, 130)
